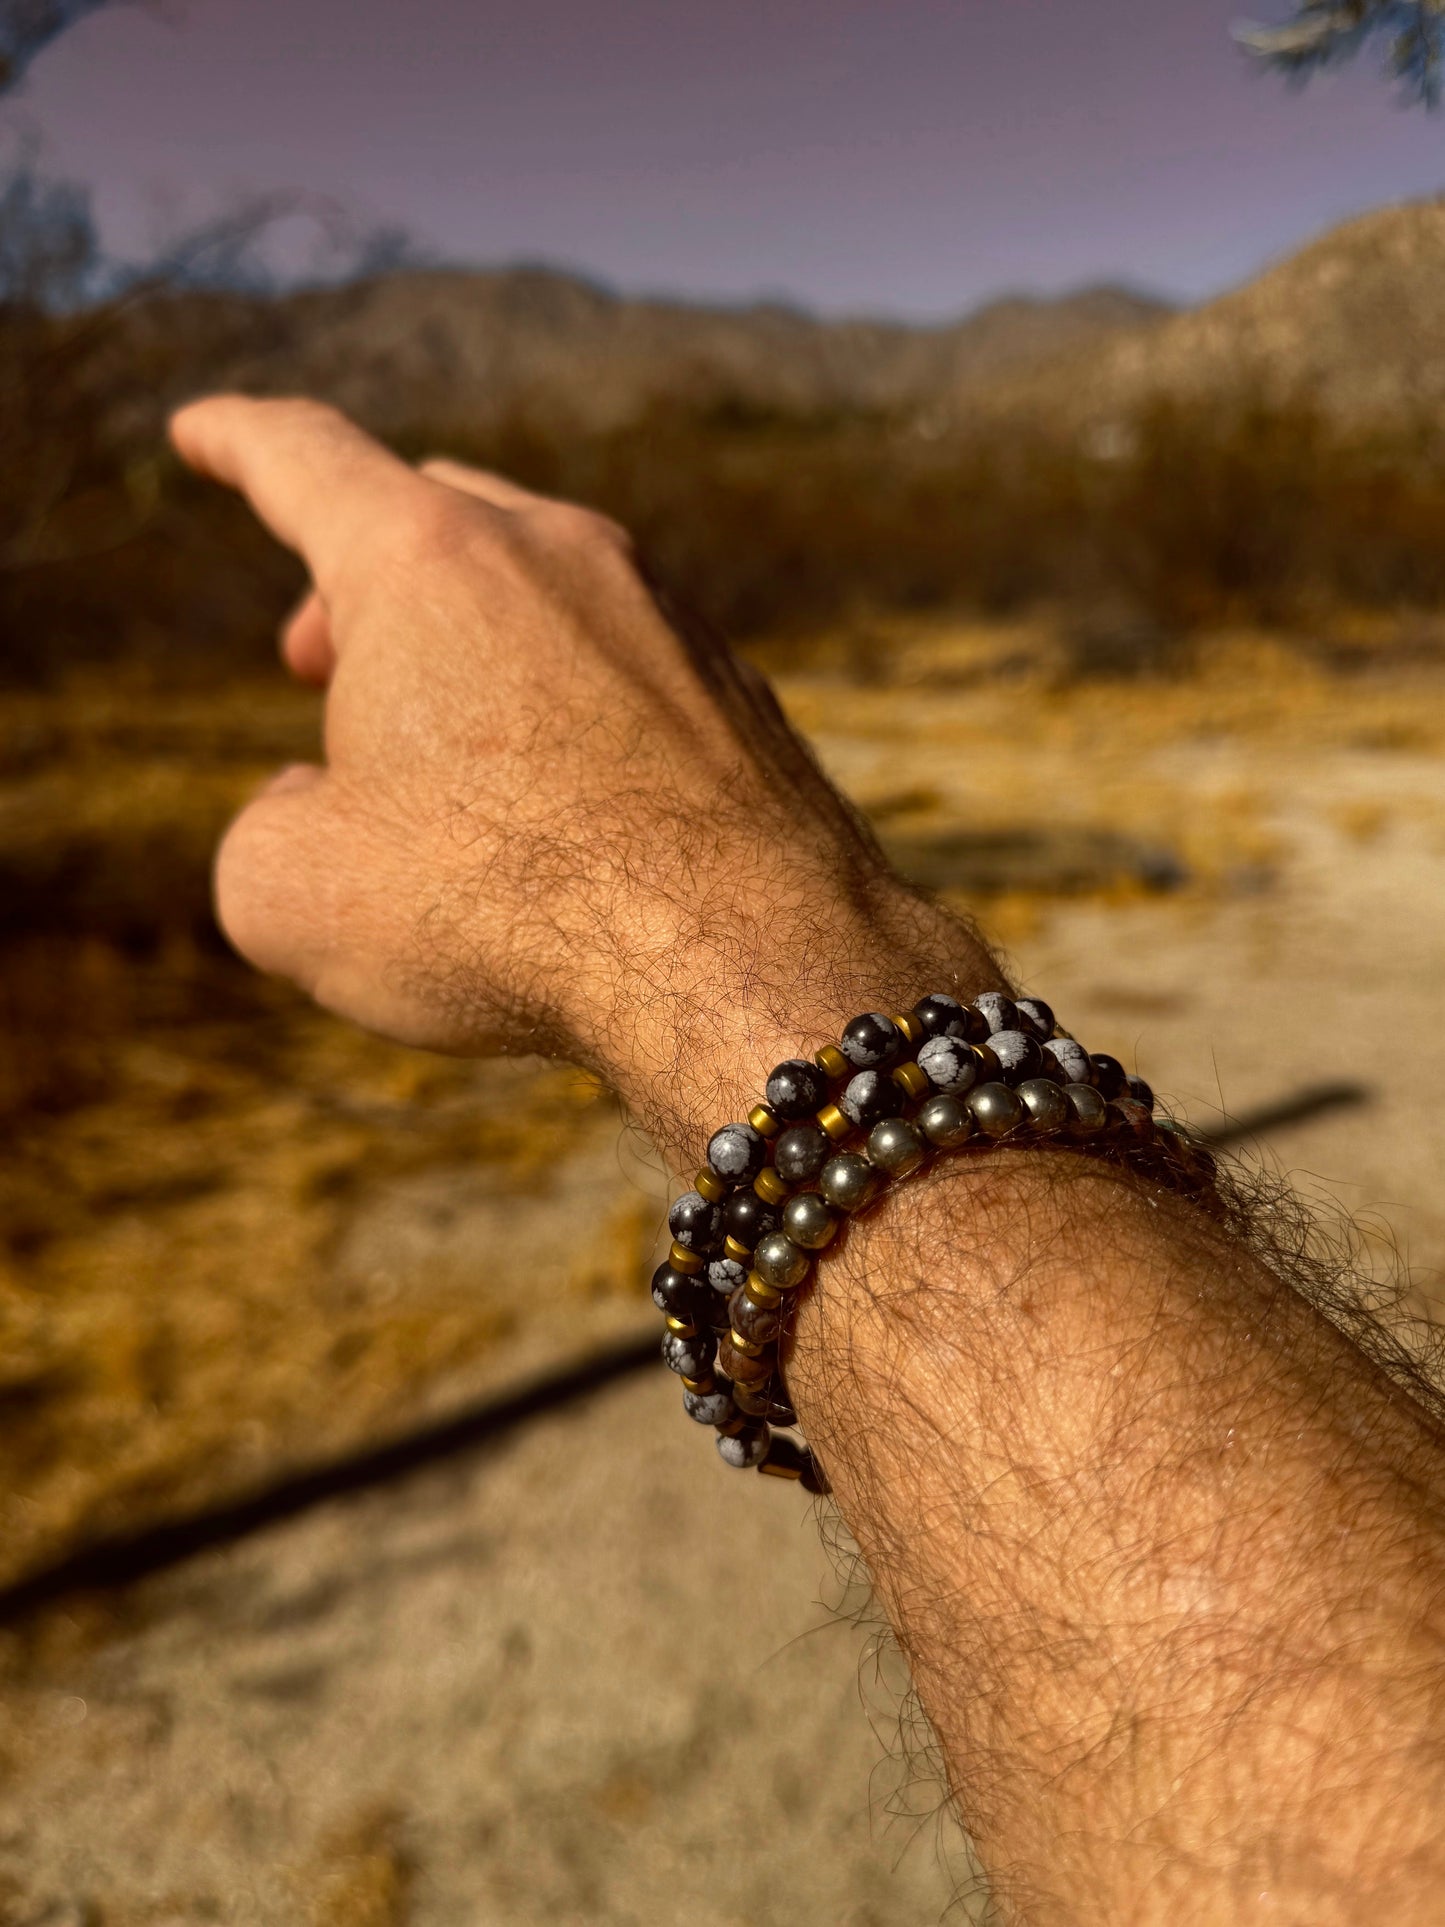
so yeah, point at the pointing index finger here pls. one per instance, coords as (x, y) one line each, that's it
(320, 484)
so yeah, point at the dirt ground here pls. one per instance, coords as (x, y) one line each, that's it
(578, 1674)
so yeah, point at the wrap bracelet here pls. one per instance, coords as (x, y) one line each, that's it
(826, 1141)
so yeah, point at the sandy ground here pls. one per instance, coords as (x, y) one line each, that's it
(582, 1674)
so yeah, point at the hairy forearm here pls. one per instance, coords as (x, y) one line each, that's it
(1163, 1547)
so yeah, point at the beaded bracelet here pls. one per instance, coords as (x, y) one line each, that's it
(823, 1145)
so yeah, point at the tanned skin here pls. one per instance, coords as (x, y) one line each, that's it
(1165, 1551)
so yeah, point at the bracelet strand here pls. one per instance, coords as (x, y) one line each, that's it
(828, 1139)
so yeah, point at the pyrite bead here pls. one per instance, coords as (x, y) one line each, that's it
(678, 1295)
(1141, 1092)
(870, 1097)
(711, 1408)
(1048, 1108)
(745, 1448)
(871, 1042)
(737, 1153)
(688, 1357)
(800, 1153)
(1036, 1017)
(726, 1274)
(949, 1064)
(996, 1108)
(1109, 1075)
(741, 1367)
(746, 1218)
(809, 1220)
(945, 1121)
(1090, 1112)
(796, 1089)
(943, 1016)
(848, 1181)
(896, 1147)
(1018, 1054)
(759, 1324)
(998, 1012)
(1071, 1062)
(695, 1223)
(780, 1263)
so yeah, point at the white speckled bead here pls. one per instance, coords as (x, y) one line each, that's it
(1071, 1061)
(726, 1274)
(746, 1448)
(711, 1408)
(688, 1357)
(737, 1153)
(998, 1012)
(1036, 1017)
(1018, 1054)
(949, 1064)
(871, 1041)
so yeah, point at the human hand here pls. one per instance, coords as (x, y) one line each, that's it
(548, 819)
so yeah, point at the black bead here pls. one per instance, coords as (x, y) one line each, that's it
(941, 1016)
(870, 1097)
(748, 1218)
(1036, 1017)
(796, 1088)
(737, 1153)
(1109, 1076)
(800, 1153)
(1018, 1054)
(998, 1012)
(695, 1223)
(1141, 1092)
(871, 1042)
(689, 1357)
(680, 1296)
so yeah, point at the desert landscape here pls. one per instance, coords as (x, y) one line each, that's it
(1178, 742)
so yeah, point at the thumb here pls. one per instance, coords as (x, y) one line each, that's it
(267, 872)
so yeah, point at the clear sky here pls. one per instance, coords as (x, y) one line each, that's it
(903, 156)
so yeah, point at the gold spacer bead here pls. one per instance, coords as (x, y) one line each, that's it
(831, 1061)
(732, 1249)
(744, 1345)
(684, 1327)
(761, 1292)
(772, 1469)
(834, 1122)
(909, 1078)
(769, 1186)
(683, 1260)
(764, 1120)
(700, 1385)
(709, 1185)
(910, 1027)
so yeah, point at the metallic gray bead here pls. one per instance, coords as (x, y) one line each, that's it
(1071, 1061)
(809, 1220)
(848, 1181)
(1091, 1113)
(710, 1408)
(1036, 1017)
(945, 1121)
(726, 1274)
(948, 1063)
(999, 1012)
(1048, 1108)
(1018, 1055)
(997, 1110)
(779, 1262)
(746, 1448)
(688, 1357)
(896, 1147)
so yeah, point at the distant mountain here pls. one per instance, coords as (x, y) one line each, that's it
(1355, 322)
(431, 347)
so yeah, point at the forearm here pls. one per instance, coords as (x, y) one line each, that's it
(1162, 1547)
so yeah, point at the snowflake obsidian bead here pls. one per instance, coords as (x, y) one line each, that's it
(725, 1275)
(1068, 1061)
(1018, 1054)
(943, 1016)
(737, 1153)
(1109, 1075)
(800, 1153)
(948, 1063)
(869, 1097)
(1036, 1017)
(746, 1218)
(871, 1042)
(678, 1295)
(688, 1356)
(998, 1012)
(695, 1223)
(711, 1408)
(744, 1448)
(796, 1089)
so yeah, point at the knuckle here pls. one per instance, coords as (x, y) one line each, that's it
(574, 526)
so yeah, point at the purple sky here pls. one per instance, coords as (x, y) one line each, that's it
(906, 156)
